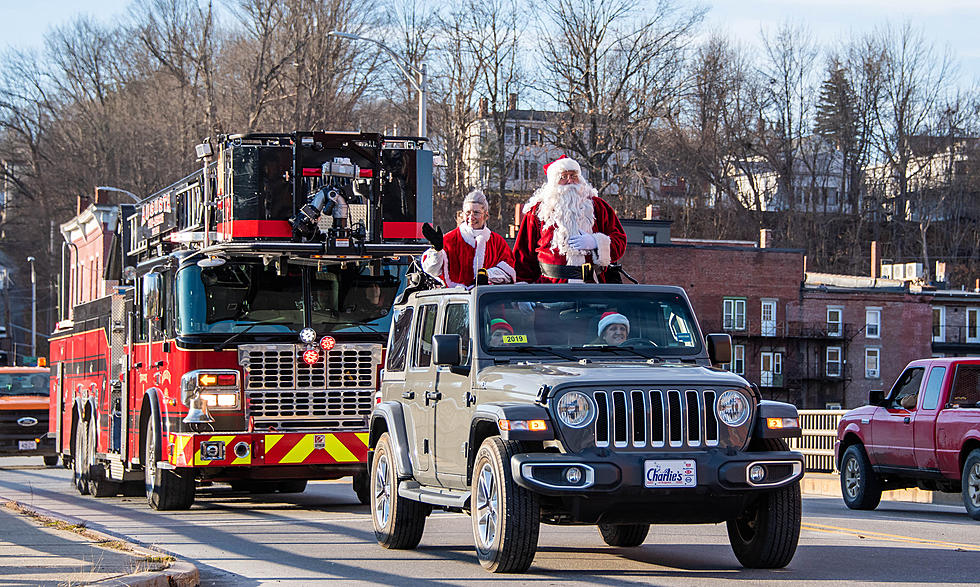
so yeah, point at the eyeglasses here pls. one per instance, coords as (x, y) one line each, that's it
(473, 213)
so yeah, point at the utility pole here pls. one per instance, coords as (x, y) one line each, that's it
(33, 308)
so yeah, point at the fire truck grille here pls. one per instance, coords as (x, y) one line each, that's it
(653, 418)
(340, 385)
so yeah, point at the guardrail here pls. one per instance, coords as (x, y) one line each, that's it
(819, 434)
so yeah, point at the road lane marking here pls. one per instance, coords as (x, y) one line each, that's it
(889, 537)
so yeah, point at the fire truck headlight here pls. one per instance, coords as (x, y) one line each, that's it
(217, 388)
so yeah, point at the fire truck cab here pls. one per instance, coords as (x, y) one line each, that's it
(231, 326)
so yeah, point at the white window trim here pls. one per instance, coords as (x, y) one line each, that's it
(840, 323)
(737, 365)
(867, 323)
(839, 362)
(976, 320)
(942, 324)
(876, 372)
(730, 311)
(767, 327)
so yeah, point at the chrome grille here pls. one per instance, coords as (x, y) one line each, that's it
(656, 418)
(339, 387)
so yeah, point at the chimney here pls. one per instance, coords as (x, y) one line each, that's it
(484, 108)
(940, 275)
(765, 238)
(512, 101)
(875, 261)
(653, 212)
(83, 203)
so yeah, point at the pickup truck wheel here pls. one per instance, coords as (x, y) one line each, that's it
(99, 485)
(506, 517)
(79, 463)
(165, 489)
(624, 534)
(971, 484)
(860, 487)
(398, 522)
(766, 533)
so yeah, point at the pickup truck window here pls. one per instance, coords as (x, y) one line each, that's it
(933, 387)
(966, 387)
(906, 390)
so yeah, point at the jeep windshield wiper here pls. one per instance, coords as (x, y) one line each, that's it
(228, 340)
(602, 348)
(535, 349)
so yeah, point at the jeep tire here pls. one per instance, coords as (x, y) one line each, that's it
(398, 522)
(627, 535)
(165, 489)
(971, 484)
(506, 517)
(859, 486)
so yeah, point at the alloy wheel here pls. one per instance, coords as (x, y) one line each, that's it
(973, 484)
(382, 495)
(852, 478)
(487, 506)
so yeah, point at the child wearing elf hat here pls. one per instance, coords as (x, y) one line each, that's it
(614, 328)
(498, 328)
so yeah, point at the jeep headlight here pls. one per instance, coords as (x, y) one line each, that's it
(732, 408)
(575, 409)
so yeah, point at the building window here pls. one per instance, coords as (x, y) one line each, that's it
(833, 361)
(872, 363)
(734, 314)
(872, 323)
(649, 238)
(835, 321)
(938, 324)
(768, 323)
(738, 360)
(972, 328)
(771, 372)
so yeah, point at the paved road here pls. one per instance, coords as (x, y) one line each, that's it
(323, 536)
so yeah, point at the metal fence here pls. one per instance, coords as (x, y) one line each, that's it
(817, 444)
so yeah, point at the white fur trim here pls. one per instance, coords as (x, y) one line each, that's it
(605, 247)
(481, 252)
(613, 319)
(555, 168)
(432, 261)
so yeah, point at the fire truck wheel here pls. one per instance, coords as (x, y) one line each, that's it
(254, 486)
(79, 466)
(398, 522)
(133, 488)
(165, 489)
(291, 486)
(98, 483)
(51, 460)
(362, 487)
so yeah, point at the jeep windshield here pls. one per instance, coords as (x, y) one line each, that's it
(24, 384)
(236, 296)
(584, 323)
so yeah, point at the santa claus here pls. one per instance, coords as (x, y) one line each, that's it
(567, 225)
(456, 258)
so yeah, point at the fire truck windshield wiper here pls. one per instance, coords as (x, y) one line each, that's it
(228, 340)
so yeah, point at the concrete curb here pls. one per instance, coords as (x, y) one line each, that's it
(177, 574)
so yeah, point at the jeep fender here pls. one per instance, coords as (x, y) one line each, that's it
(389, 416)
(494, 412)
(771, 409)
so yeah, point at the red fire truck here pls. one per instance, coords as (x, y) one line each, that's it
(230, 327)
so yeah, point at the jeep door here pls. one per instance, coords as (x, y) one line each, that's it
(891, 429)
(419, 394)
(455, 401)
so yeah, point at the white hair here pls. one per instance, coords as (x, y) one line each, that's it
(477, 197)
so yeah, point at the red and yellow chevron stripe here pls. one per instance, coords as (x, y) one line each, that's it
(286, 448)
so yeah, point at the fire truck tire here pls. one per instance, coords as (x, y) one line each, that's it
(291, 486)
(51, 460)
(254, 487)
(133, 488)
(165, 489)
(79, 466)
(398, 522)
(98, 483)
(362, 488)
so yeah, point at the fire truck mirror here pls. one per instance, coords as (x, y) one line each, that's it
(153, 296)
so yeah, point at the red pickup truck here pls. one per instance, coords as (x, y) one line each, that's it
(925, 433)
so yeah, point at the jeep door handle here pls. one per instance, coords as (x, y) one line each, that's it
(432, 396)
(408, 395)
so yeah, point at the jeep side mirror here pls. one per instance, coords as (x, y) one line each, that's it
(875, 397)
(446, 349)
(719, 348)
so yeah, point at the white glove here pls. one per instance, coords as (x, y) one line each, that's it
(583, 242)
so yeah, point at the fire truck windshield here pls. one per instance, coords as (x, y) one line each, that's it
(256, 296)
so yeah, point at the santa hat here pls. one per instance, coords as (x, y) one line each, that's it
(556, 167)
(613, 318)
(500, 324)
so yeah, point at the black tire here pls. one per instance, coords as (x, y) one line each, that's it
(255, 487)
(362, 487)
(506, 517)
(971, 484)
(79, 464)
(51, 460)
(99, 485)
(627, 535)
(766, 533)
(291, 486)
(133, 488)
(859, 485)
(398, 522)
(165, 489)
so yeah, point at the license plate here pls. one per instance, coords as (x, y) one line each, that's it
(682, 473)
(26, 445)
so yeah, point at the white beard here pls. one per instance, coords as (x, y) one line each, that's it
(570, 210)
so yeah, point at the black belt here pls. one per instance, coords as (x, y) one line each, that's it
(584, 272)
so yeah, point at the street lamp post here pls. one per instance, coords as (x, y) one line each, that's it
(33, 308)
(407, 69)
(109, 188)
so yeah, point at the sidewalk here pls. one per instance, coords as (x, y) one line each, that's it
(38, 548)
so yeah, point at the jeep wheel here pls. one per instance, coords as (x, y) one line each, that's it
(362, 487)
(79, 466)
(765, 534)
(859, 485)
(398, 522)
(165, 489)
(971, 484)
(624, 534)
(506, 517)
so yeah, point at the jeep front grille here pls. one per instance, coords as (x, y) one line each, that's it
(656, 418)
(339, 387)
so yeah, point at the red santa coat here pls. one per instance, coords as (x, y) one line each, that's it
(534, 243)
(464, 254)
